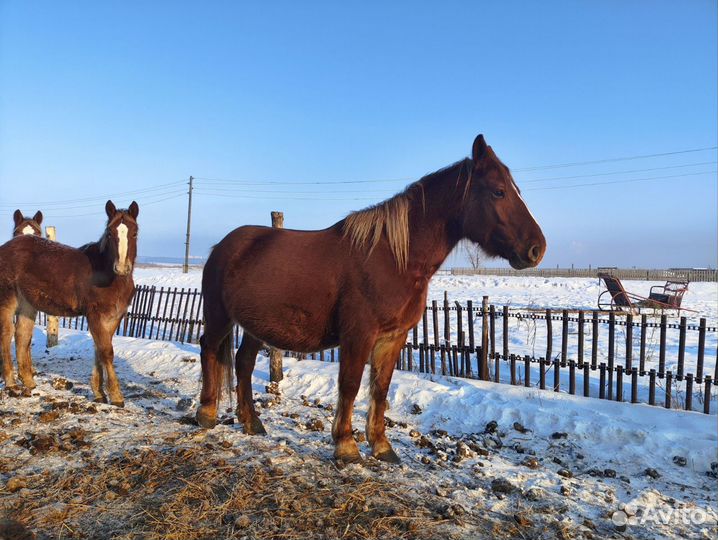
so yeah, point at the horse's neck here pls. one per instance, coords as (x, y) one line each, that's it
(99, 255)
(435, 230)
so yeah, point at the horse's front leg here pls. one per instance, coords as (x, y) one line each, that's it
(386, 350)
(102, 330)
(354, 353)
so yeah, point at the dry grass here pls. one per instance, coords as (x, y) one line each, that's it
(200, 493)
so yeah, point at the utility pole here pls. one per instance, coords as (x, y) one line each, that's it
(185, 267)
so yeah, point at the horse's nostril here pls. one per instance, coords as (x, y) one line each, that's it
(534, 252)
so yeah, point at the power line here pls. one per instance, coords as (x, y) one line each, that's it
(621, 181)
(609, 160)
(102, 212)
(93, 198)
(617, 172)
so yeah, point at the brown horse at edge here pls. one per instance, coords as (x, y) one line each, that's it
(94, 280)
(360, 284)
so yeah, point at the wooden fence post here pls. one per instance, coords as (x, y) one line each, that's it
(275, 355)
(53, 323)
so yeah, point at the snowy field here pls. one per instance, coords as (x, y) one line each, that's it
(478, 459)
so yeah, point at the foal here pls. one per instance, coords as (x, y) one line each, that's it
(360, 284)
(94, 280)
(27, 225)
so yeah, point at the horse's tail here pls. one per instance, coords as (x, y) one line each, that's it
(225, 359)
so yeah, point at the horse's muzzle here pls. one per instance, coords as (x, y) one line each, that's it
(122, 270)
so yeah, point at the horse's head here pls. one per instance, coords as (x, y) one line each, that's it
(495, 215)
(121, 237)
(26, 225)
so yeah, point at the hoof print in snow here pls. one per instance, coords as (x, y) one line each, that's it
(520, 428)
(314, 425)
(559, 435)
(423, 442)
(62, 384)
(491, 427)
(184, 404)
(565, 473)
(680, 461)
(189, 359)
(438, 433)
(652, 473)
(415, 409)
(501, 485)
(609, 473)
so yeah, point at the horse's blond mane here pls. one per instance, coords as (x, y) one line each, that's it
(364, 228)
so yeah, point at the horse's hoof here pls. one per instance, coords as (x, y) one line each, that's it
(120, 404)
(205, 420)
(100, 400)
(254, 427)
(388, 456)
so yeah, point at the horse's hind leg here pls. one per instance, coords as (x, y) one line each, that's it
(244, 365)
(386, 350)
(354, 353)
(102, 330)
(23, 340)
(8, 304)
(215, 346)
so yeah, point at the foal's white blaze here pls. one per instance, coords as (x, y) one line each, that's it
(122, 246)
(28, 230)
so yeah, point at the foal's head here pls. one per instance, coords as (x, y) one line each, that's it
(120, 237)
(26, 225)
(495, 214)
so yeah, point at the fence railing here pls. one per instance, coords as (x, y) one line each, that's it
(690, 274)
(654, 360)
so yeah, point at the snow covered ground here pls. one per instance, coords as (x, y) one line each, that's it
(552, 465)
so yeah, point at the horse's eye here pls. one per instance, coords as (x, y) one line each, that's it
(499, 193)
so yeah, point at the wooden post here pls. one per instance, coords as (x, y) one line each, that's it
(275, 355)
(53, 323)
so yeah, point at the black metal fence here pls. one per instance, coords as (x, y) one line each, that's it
(597, 354)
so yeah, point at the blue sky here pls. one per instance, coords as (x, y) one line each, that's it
(128, 99)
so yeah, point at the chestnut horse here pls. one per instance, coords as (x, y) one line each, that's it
(360, 284)
(27, 225)
(94, 280)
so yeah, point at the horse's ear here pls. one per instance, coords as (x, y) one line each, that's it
(479, 149)
(17, 217)
(38, 217)
(110, 209)
(134, 210)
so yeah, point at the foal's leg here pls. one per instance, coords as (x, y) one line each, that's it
(23, 339)
(102, 330)
(212, 344)
(386, 350)
(244, 365)
(8, 304)
(354, 354)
